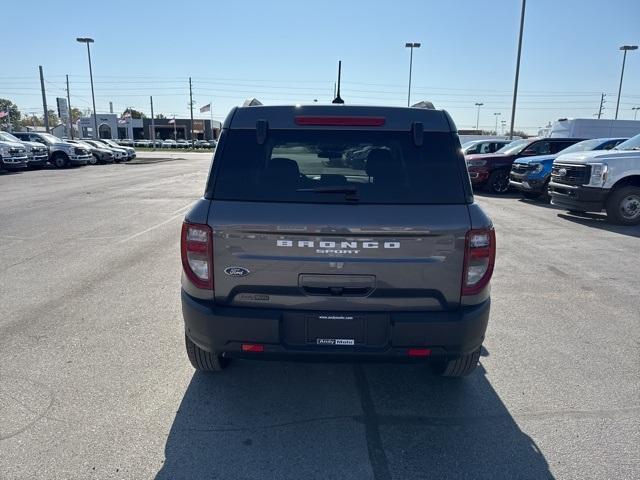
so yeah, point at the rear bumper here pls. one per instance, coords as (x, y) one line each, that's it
(224, 330)
(578, 197)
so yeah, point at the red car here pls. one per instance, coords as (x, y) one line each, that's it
(491, 170)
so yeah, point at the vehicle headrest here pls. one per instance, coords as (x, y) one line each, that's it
(378, 162)
(282, 173)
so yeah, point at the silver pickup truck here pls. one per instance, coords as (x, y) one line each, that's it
(37, 153)
(13, 155)
(300, 248)
(61, 154)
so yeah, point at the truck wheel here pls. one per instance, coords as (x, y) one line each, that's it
(203, 360)
(59, 160)
(92, 160)
(623, 205)
(460, 367)
(498, 181)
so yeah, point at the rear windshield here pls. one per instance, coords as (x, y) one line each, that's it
(307, 166)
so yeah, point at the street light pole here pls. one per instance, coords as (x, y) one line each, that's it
(410, 45)
(496, 115)
(635, 113)
(478, 114)
(624, 48)
(515, 84)
(93, 95)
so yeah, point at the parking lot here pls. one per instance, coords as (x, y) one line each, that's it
(95, 383)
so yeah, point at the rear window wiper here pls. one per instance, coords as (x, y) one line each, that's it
(336, 189)
(350, 193)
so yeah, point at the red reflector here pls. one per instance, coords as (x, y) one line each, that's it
(419, 352)
(341, 121)
(252, 347)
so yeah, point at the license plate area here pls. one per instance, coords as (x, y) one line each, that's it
(336, 330)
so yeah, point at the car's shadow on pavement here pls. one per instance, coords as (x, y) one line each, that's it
(599, 221)
(286, 420)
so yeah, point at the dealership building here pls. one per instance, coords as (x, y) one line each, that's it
(111, 125)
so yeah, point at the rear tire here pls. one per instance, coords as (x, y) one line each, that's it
(459, 367)
(498, 182)
(202, 360)
(623, 205)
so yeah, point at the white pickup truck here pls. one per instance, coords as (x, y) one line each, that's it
(600, 180)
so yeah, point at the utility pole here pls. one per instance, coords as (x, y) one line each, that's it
(496, 115)
(153, 125)
(601, 105)
(625, 49)
(410, 45)
(44, 100)
(191, 107)
(110, 107)
(337, 98)
(69, 107)
(515, 85)
(478, 104)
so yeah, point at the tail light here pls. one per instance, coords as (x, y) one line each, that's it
(479, 258)
(196, 247)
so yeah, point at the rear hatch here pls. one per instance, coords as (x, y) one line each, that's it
(346, 220)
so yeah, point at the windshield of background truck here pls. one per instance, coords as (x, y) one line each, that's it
(514, 147)
(632, 144)
(49, 138)
(309, 166)
(7, 137)
(584, 146)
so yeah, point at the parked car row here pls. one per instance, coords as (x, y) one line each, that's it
(580, 175)
(169, 143)
(19, 150)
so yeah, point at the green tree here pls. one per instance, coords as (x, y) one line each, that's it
(161, 116)
(53, 118)
(31, 121)
(134, 113)
(14, 113)
(76, 113)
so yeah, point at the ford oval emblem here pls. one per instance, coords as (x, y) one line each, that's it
(562, 172)
(236, 271)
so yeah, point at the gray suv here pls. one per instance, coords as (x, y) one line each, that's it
(301, 249)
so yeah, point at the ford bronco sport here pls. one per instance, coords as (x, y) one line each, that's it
(339, 232)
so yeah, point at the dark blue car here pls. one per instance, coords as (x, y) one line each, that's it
(531, 175)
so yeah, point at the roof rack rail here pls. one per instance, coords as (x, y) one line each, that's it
(251, 102)
(424, 104)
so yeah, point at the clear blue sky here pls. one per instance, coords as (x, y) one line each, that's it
(287, 52)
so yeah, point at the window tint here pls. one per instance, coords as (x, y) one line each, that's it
(559, 146)
(339, 167)
(542, 147)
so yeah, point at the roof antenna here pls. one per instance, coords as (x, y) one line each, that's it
(338, 99)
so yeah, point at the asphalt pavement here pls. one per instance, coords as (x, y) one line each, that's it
(95, 383)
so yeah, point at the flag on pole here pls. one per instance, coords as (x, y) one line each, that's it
(126, 115)
(4, 113)
(173, 120)
(122, 121)
(206, 108)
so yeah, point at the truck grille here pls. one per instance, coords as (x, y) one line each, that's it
(521, 168)
(571, 174)
(80, 151)
(17, 152)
